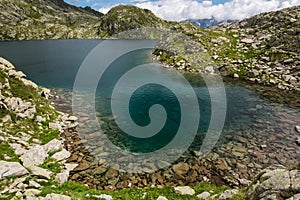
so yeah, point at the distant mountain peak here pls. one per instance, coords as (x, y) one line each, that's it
(203, 23)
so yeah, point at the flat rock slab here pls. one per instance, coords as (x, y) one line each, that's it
(9, 169)
(62, 155)
(40, 172)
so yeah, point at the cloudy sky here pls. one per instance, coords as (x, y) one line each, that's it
(177, 10)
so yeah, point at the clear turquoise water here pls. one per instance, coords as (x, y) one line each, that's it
(55, 64)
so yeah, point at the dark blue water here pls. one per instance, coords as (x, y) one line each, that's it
(54, 64)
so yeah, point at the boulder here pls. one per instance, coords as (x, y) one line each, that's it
(275, 182)
(10, 169)
(184, 190)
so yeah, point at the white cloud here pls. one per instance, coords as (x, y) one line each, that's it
(177, 10)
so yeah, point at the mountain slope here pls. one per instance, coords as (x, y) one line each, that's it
(46, 19)
(126, 17)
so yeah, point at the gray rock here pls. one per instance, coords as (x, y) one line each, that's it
(29, 83)
(53, 196)
(295, 180)
(32, 198)
(204, 195)
(184, 190)
(274, 181)
(34, 184)
(40, 119)
(161, 198)
(9, 169)
(32, 192)
(40, 172)
(70, 167)
(18, 148)
(228, 194)
(236, 76)
(55, 126)
(297, 128)
(247, 40)
(103, 196)
(53, 145)
(62, 155)
(62, 177)
(46, 93)
(6, 63)
(34, 156)
(17, 74)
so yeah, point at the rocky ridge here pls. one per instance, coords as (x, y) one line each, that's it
(263, 49)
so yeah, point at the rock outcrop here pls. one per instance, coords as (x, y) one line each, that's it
(275, 183)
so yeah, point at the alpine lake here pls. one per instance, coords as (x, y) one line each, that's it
(259, 127)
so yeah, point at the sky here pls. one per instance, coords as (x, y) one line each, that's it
(179, 10)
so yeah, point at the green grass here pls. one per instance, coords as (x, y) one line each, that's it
(51, 165)
(5, 149)
(79, 191)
